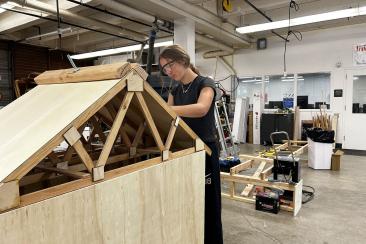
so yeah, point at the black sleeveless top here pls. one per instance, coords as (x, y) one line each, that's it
(204, 127)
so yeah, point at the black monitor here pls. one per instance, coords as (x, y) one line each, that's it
(275, 104)
(302, 102)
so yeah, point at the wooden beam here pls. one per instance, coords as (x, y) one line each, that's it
(267, 172)
(84, 74)
(114, 130)
(72, 136)
(71, 173)
(173, 128)
(150, 121)
(98, 129)
(242, 166)
(139, 133)
(255, 158)
(250, 180)
(247, 190)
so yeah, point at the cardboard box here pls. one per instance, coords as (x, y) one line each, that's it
(336, 160)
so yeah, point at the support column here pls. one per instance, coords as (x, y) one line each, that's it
(184, 35)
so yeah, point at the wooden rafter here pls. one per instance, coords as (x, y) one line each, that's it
(150, 121)
(139, 134)
(98, 129)
(114, 130)
(173, 129)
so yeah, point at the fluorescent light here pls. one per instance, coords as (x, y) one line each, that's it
(113, 51)
(340, 14)
(8, 5)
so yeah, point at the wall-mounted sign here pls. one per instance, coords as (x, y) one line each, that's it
(338, 92)
(359, 54)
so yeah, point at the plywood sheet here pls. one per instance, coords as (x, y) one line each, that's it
(160, 204)
(31, 121)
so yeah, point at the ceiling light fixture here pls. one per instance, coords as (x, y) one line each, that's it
(113, 51)
(8, 5)
(340, 14)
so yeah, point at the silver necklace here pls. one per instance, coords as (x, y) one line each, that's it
(185, 91)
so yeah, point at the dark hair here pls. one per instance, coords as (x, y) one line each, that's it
(177, 53)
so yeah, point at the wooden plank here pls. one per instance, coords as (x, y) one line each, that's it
(297, 196)
(173, 128)
(240, 167)
(84, 156)
(114, 130)
(267, 172)
(125, 138)
(53, 157)
(98, 129)
(147, 206)
(150, 121)
(248, 189)
(255, 158)
(71, 173)
(139, 134)
(258, 182)
(9, 195)
(91, 73)
(300, 150)
(30, 120)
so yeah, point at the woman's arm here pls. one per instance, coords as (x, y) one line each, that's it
(170, 100)
(198, 109)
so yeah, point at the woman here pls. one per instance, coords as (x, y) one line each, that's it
(193, 100)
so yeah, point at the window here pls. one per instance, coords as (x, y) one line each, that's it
(313, 90)
(248, 86)
(278, 91)
(359, 94)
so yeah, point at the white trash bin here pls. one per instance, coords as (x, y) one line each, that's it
(319, 154)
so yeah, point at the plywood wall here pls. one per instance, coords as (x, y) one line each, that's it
(160, 204)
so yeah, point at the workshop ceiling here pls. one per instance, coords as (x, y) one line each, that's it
(211, 21)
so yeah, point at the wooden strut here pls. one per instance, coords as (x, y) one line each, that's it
(77, 184)
(150, 121)
(72, 136)
(114, 130)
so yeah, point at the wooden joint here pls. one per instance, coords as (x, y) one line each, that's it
(199, 145)
(9, 195)
(135, 83)
(133, 151)
(98, 173)
(72, 136)
(165, 155)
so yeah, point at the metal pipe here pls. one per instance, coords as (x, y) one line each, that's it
(78, 18)
(215, 54)
(67, 23)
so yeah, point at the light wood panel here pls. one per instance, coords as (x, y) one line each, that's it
(42, 116)
(160, 204)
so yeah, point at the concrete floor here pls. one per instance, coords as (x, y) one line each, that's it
(337, 214)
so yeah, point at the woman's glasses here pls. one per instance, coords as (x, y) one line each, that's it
(168, 66)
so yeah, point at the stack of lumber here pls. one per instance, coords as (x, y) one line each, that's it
(322, 120)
